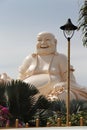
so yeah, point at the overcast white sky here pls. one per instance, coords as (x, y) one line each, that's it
(22, 20)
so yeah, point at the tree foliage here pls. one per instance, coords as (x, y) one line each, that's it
(83, 22)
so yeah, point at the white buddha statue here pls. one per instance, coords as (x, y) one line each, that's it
(46, 69)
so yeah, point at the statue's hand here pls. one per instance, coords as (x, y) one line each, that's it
(58, 89)
(4, 78)
(60, 85)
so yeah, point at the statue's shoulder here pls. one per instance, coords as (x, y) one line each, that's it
(33, 55)
(61, 56)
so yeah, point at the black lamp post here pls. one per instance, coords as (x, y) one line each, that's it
(68, 30)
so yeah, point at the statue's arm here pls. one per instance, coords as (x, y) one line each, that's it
(23, 68)
(64, 68)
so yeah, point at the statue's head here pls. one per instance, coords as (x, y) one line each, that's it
(46, 43)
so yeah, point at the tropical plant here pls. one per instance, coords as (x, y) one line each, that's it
(23, 102)
(75, 117)
(4, 112)
(58, 106)
(83, 21)
(78, 108)
(3, 100)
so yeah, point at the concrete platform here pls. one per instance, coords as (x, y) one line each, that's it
(48, 128)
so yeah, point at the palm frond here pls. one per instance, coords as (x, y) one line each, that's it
(83, 22)
(20, 98)
(3, 100)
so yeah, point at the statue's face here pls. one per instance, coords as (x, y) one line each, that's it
(46, 43)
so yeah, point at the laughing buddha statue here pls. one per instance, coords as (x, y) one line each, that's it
(46, 69)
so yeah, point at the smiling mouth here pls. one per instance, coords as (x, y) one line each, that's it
(44, 47)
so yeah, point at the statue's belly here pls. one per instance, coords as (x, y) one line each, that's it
(42, 79)
(45, 84)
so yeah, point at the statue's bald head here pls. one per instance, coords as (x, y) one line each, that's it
(46, 34)
(46, 43)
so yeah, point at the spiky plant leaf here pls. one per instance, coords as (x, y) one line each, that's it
(58, 105)
(42, 102)
(3, 100)
(78, 105)
(20, 98)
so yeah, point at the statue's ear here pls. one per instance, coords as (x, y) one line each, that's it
(56, 41)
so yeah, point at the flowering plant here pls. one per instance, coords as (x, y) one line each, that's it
(4, 116)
